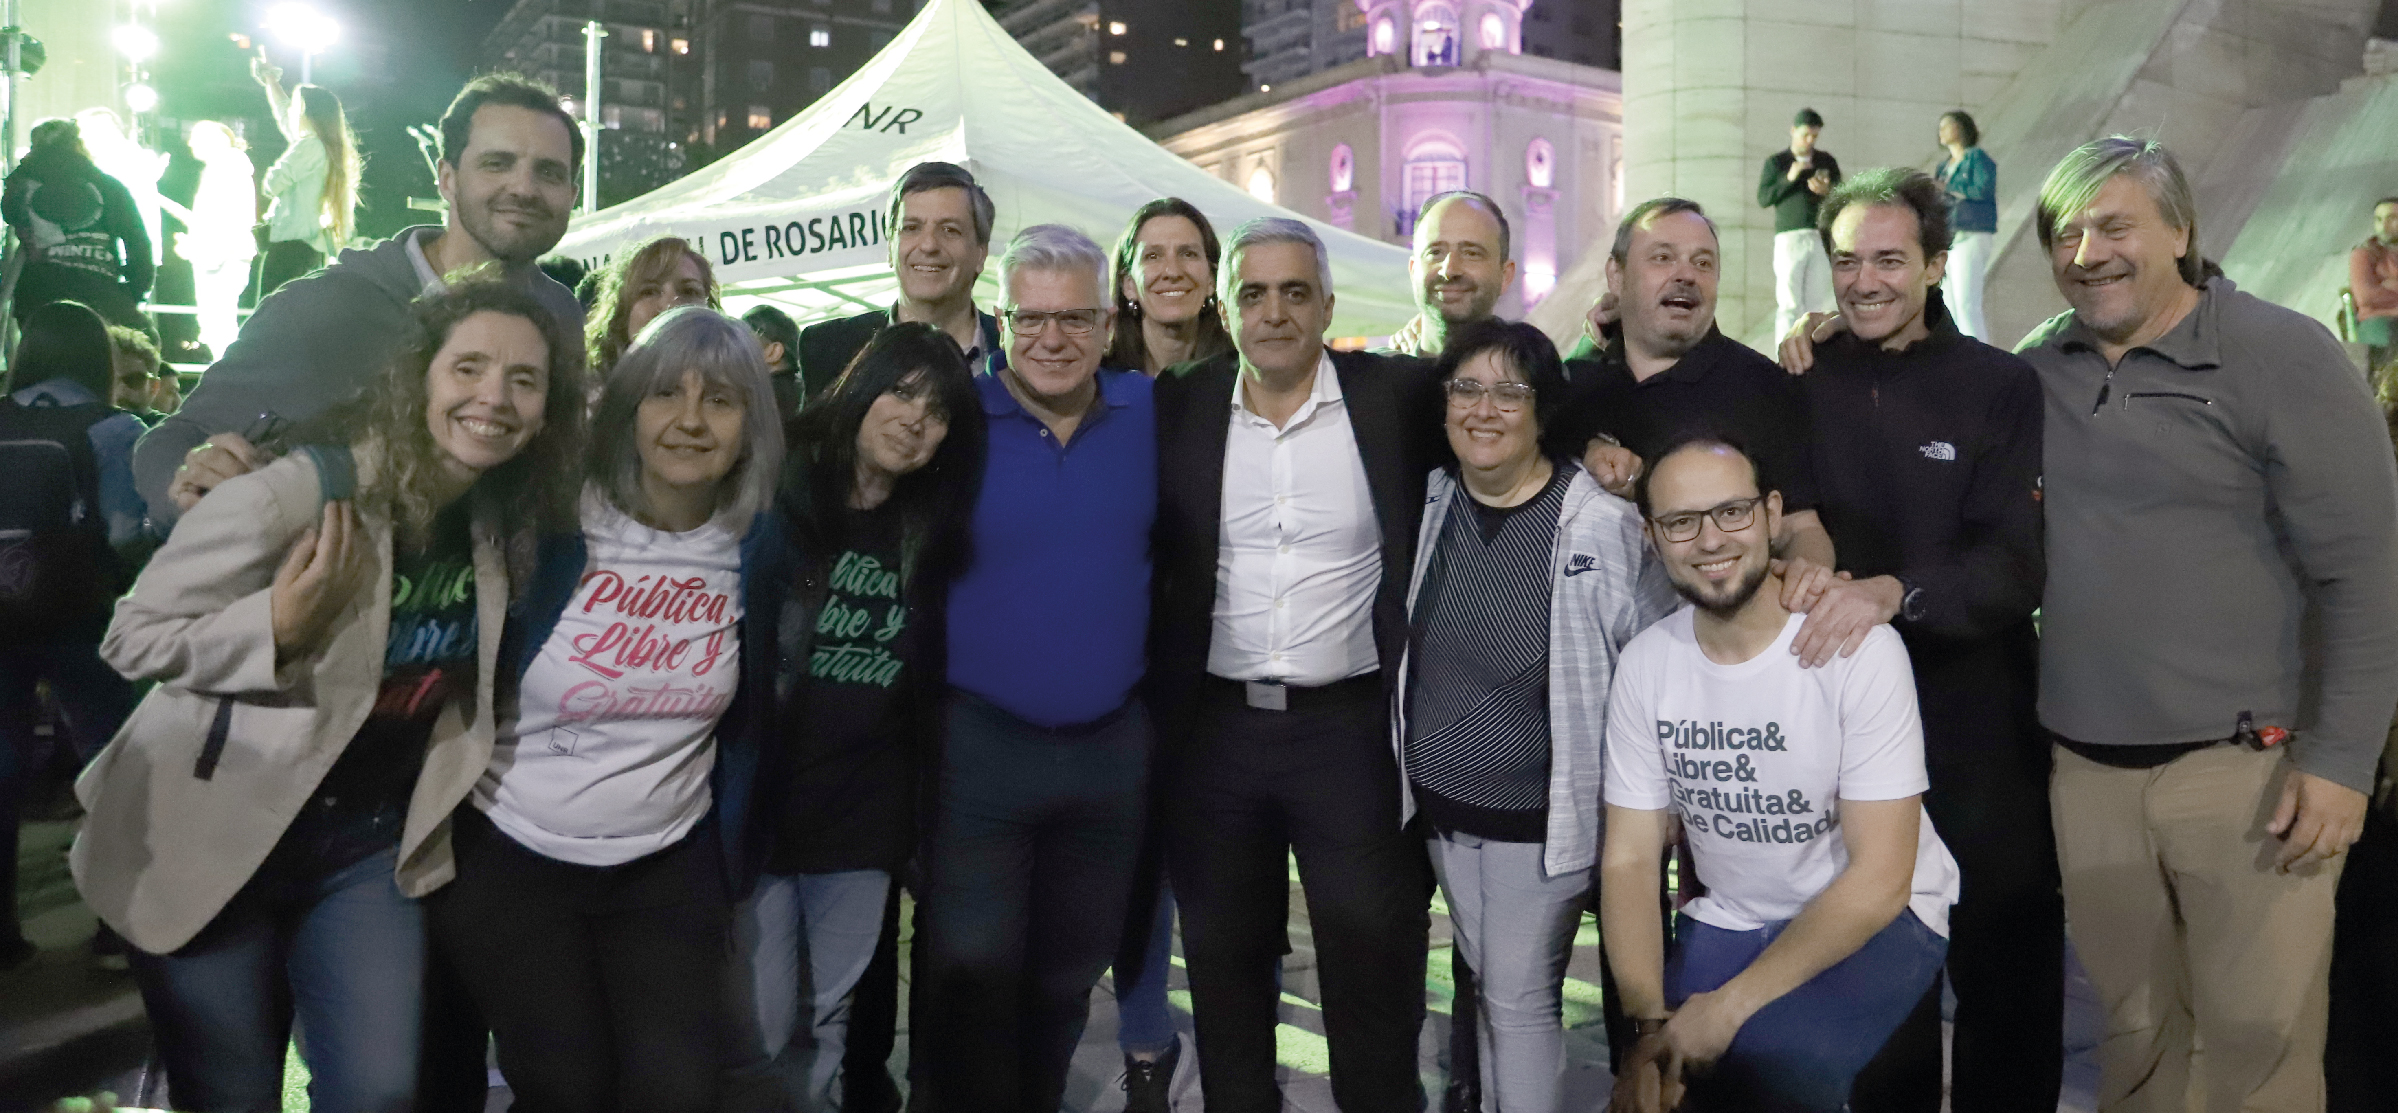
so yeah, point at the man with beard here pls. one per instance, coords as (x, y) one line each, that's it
(1461, 268)
(940, 229)
(1927, 450)
(1666, 370)
(1800, 791)
(507, 171)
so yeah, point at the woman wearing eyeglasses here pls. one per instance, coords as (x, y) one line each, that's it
(1528, 582)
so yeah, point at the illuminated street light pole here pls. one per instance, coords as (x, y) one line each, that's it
(592, 34)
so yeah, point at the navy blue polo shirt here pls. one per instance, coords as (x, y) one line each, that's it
(1050, 621)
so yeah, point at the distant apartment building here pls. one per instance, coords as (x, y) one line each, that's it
(684, 81)
(1144, 60)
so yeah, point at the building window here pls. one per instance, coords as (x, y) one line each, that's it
(820, 36)
(1115, 57)
(1116, 28)
(820, 78)
(1219, 45)
(760, 117)
(1344, 169)
(1386, 36)
(761, 76)
(1494, 31)
(1432, 169)
(878, 40)
(1540, 164)
(611, 116)
(649, 41)
(682, 46)
(761, 29)
(883, 6)
(1436, 35)
(1261, 184)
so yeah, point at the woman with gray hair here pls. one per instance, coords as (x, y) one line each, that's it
(609, 834)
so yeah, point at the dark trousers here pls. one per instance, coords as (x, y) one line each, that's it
(284, 260)
(92, 699)
(2358, 1068)
(1028, 869)
(874, 1022)
(2006, 954)
(605, 986)
(1250, 789)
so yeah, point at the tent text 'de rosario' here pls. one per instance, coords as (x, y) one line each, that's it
(797, 216)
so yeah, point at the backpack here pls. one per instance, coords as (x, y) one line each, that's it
(56, 568)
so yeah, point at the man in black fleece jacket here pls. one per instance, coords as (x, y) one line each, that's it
(1927, 462)
(507, 169)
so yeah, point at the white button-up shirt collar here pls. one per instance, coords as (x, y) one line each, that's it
(1299, 552)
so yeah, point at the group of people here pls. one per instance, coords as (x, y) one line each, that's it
(1795, 182)
(591, 693)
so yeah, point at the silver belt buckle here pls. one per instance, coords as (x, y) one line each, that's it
(1267, 695)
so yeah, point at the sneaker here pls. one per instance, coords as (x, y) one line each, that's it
(108, 950)
(1146, 1085)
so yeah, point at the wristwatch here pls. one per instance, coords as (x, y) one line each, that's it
(1910, 600)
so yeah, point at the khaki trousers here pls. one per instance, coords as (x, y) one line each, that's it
(2191, 938)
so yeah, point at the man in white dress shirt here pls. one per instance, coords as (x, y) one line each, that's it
(1291, 483)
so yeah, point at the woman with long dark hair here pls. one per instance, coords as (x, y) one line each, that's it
(324, 633)
(1165, 280)
(880, 487)
(312, 190)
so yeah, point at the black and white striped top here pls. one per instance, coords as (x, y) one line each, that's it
(1477, 742)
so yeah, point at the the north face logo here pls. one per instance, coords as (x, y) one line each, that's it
(1939, 450)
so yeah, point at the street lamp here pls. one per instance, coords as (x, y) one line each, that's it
(140, 98)
(305, 28)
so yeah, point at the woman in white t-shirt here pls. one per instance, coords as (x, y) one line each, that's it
(312, 188)
(1800, 792)
(591, 915)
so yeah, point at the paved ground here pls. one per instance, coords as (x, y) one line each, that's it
(66, 1028)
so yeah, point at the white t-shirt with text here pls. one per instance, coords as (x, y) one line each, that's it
(1756, 757)
(614, 738)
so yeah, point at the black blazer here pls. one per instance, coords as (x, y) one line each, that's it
(1395, 412)
(826, 347)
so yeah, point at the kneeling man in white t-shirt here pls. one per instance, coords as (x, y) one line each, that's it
(1826, 910)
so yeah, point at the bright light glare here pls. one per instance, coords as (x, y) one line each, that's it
(304, 27)
(136, 42)
(141, 98)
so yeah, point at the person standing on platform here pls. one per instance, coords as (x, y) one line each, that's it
(1971, 180)
(312, 189)
(2373, 282)
(85, 236)
(1927, 454)
(1793, 185)
(940, 236)
(1290, 485)
(2219, 639)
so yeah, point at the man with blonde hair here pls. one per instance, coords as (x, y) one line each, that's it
(2214, 470)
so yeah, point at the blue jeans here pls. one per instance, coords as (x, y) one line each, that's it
(341, 949)
(804, 939)
(1029, 866)
(1800, 1052)
(92, 699)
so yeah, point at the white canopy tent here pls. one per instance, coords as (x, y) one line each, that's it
(797, 216)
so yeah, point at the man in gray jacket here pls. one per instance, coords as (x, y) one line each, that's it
(2214, 469)
(507, 170)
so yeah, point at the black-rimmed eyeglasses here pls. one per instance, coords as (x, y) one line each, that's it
(1730, 517)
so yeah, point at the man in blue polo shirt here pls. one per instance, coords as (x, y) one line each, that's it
(1043, 775)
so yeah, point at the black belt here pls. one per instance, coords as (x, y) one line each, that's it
(1267, 695)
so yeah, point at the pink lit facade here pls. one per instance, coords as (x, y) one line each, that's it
(1444, 100)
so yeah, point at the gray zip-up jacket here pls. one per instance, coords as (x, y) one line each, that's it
(2203, 496)
(310, 346)
(1605, 587)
